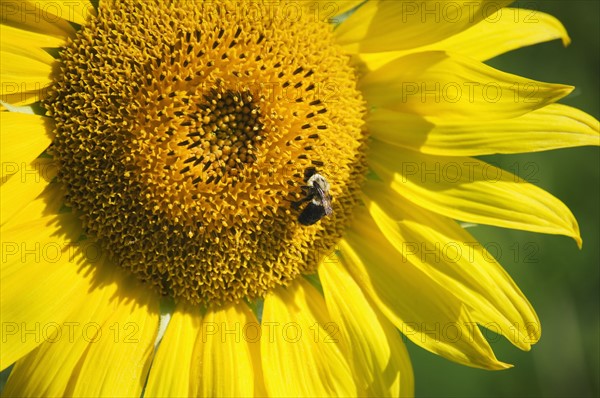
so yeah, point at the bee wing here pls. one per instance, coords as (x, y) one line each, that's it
(327, 205)
(325, 199)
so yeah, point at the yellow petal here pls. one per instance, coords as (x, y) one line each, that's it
(117, 363)
(14, 96)
(223, 352)
(24, 138)
(446, 253)
(40, 274)
(28, 44)
(37, 225)
(377, 355)
(470, 190)
(24, 185)
(42, 281)
(500, 32)
(551, 127)
(172, 366)
(74, 11)
(27, 39)
(423, 310)
(47, 371)
(399, 25)
(47, 240)
(300, 352)
(37, 17)
(43, 301)
(452, 86)
(22, 72)
(326, 10)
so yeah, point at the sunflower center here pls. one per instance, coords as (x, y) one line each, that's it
(186, 135)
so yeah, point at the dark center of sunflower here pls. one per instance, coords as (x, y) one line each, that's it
(184, 133)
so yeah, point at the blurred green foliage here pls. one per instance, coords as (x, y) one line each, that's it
(561, 281)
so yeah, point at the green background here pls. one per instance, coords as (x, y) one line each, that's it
(560, 280)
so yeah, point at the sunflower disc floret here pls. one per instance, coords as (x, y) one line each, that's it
(184, 131)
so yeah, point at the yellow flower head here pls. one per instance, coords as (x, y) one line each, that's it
(241, 198)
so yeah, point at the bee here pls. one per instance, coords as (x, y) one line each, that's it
(317, 196)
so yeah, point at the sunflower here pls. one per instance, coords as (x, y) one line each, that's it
(264, 198)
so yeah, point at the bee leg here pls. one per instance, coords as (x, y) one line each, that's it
(296, 205)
